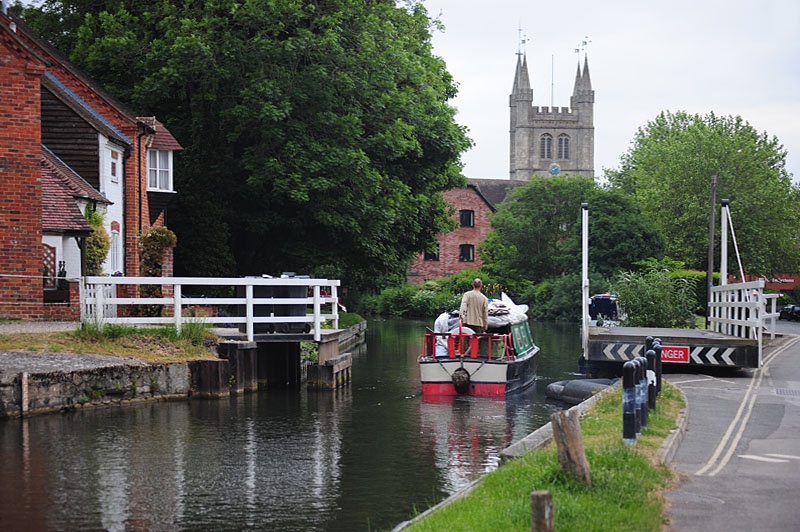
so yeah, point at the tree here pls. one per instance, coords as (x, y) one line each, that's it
(668, 171)
(318, 135)
(537, 236)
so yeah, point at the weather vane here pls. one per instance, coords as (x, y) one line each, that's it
(522, 40)
(583, 45)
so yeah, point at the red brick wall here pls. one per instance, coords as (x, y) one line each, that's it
(449, 243)
(20, 183)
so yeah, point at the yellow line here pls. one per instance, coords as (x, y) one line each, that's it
(748, 401)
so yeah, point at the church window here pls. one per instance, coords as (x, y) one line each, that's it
(546, 146)
(466, 253)
(563, 146)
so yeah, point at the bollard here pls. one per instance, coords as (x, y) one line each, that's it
(648, 343)
(657, 349)
(651, 379)
(628, 403)
(643, 390)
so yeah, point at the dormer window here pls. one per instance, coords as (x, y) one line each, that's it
(159, 170)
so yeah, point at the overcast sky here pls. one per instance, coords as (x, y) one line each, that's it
(732, 57)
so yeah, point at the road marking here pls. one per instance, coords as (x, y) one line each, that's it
(787, 456)
(763, 458)
(739, 422)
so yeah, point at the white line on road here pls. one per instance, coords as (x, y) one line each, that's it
(762, 458)
(739, 422)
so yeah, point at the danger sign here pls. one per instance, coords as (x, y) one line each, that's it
(675, 353)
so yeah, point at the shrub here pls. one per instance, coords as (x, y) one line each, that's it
(97, 244)
(656, 298)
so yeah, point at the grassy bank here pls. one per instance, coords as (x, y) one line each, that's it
(151, 344)
(626, 482)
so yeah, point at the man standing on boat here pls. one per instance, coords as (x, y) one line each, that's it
(474, 309)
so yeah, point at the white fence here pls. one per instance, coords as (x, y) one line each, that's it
(257, 300)
(743, 310)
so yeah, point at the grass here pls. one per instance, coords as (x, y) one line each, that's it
(626, 490)
(154, 345)
(151, 344)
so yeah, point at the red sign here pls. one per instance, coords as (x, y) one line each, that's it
(675, 353)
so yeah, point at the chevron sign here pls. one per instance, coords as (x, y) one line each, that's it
(718, 356)
(622, 352)
(675, 353)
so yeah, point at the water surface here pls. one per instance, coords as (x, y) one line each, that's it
(363, 458)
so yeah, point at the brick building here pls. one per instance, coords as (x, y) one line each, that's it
(458, 250)
(65, 146)
(544, 141)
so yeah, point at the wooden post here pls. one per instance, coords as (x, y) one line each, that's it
(541, 511)
(569, 440)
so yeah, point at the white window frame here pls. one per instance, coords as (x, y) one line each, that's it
(113, 166)
(159, 178)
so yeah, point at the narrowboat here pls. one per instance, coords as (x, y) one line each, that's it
(458, 361)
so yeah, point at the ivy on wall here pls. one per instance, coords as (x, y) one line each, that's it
(152, 245)
(97, 243)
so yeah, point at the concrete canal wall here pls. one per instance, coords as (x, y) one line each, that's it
(37, 383)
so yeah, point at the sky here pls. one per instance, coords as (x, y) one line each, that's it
(732, 57)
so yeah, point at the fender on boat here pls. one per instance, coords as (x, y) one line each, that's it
(461, 381)
(576, 391)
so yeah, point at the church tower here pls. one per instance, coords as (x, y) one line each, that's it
(551, 141)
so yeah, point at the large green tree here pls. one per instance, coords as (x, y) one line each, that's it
(318, 135)
(669, 170)
(537, 235)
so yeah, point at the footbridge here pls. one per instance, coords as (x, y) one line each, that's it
(263, 321)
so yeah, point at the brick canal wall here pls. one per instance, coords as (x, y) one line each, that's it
(36, 383)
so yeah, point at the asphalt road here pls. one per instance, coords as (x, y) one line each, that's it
(740, 457)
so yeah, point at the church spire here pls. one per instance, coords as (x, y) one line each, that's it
(582, 92)
(585, 79)
(522, 82)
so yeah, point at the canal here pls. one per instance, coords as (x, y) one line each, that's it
(362, 458)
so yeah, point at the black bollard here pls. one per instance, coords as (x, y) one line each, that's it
(643, 390)
(651, 379)
(648, 343)
(628, 403)
(657, 349)
(637, 397)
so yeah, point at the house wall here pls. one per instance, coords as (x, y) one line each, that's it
(114, 217)
(20, 184)
(449, 243)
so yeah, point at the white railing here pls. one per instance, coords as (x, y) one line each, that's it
(258, 300)
(741, 310)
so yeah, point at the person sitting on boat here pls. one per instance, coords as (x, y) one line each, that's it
(474, 309)
(446, 322)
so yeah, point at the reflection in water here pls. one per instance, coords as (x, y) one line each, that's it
(366, 457)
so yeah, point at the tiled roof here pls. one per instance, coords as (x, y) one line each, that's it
(163, 139)
(60, 188)
(496, 191)
(77, 186)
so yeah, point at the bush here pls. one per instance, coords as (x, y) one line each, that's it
(656, 298)
(97, 244)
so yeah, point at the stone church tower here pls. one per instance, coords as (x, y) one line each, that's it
(551, 141)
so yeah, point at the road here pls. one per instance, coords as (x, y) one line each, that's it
(740, 458)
